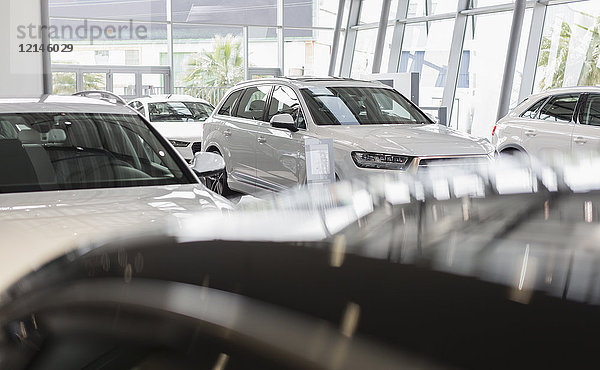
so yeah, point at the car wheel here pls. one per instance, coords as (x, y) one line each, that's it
(218, 183)
(512, 153)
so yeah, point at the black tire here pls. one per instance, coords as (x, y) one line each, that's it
(509, 153)
(218, 183)
(515, 156)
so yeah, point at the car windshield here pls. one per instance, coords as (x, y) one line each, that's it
(360, 106)
(64, 151)
(178, 111)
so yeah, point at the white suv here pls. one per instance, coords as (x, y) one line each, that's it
(556, 121)
(260, 129)
(178, 118)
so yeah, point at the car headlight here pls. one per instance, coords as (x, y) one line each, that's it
(380, 160)
(179, 144)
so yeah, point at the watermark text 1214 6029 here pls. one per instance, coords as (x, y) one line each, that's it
(50, 48)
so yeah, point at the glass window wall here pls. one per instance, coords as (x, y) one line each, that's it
(482, 64)
(570, 50)
(425, 49)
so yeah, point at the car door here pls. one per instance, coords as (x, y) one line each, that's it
(550, 132)
(510, 128)
(586, 134)
(280, 153)
(240, 136)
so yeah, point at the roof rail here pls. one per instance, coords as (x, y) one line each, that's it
(106, 96)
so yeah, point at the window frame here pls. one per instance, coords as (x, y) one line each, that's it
(267, 101)
(574, 116)
(583, 99)
(297, 98)
(537, 111)
(235, 104)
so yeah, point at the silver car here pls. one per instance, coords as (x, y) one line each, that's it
(553, 122)
(178, 118)
(74, 169)
(260, 128)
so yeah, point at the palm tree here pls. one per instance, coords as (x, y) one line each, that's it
(221, 66)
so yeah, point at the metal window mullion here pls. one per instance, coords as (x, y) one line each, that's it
(533, 49)
(398, 37)
(79, 79)
(511, 58)
(392, 22)
(496, 8)
(350, 38)
(171, 78)
(456, 50)
(428, 6)
(381, 31)
(46, 60)
(138, 83)
(245, 61)
(336, 37)
(109, 81)
(280, 38)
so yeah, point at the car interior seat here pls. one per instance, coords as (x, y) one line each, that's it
(15, 165)
(256, 109)
(32, 143)
(7, 130)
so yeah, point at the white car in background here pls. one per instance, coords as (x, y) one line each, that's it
(260, 128)
(179, 118)
(558, 121)
(76, 169)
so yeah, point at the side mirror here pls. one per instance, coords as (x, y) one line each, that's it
(284, 120)
(207, 164)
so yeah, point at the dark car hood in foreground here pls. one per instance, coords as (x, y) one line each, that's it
(478, 275)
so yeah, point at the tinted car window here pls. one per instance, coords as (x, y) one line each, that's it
(284, 100)
(67, 151)
(227, 108)
(590, 112)
(559, 108)
(532, 111)
(253, 101)
(177, 111)
(360, 106)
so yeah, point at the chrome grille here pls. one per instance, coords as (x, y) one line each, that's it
(453, 161)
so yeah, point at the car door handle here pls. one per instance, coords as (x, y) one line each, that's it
(530, 132)
(227, 132)
(580, 140)
(261, 140)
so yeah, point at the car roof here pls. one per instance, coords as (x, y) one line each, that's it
(169, 97)
(307, 81)
(567, 90)
(62, 104)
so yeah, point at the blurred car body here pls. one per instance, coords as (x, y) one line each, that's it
(553, 122)
(482, 268)
(76, 169)
(260, 128)
(176, 117)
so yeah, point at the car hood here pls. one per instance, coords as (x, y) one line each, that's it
(413, 140)
(188, 131)
(36, 228)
